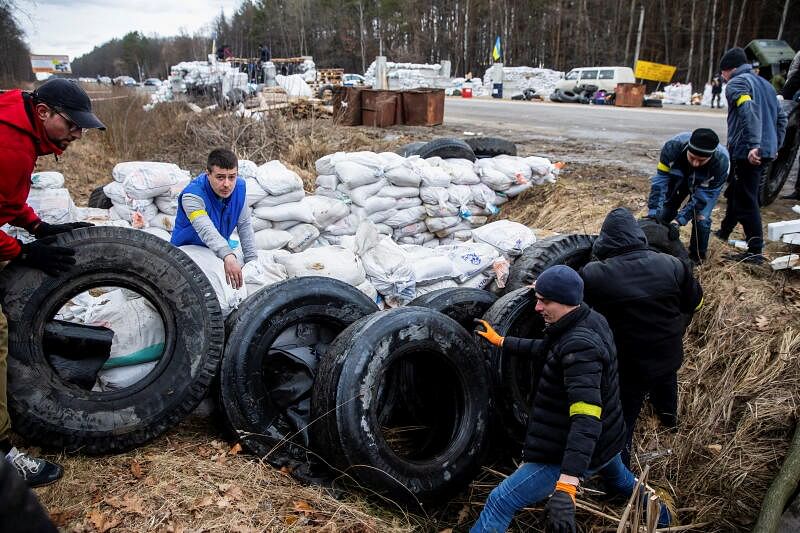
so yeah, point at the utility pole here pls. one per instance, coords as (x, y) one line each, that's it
(783, 18)
(639, 35)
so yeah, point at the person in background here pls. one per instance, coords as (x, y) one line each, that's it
(716, 91)
(695, 166)
(791, 91)
(45, 121)
(756, 128)
(211, 207)
(647, 315)
(575, 425)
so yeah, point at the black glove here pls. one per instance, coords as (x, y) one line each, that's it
(673, 231)
(43, 255)
(560, 511)
(46, 230)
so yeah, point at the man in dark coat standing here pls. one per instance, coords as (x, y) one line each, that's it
(575, 426)
(646, 297)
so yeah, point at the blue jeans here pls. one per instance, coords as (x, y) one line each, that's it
(532, 483)
(675, 191)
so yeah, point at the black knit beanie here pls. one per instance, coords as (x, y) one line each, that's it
(703, 142)
(560, 284)
(733, 58)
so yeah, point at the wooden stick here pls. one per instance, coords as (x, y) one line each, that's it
(627, 512)
(782, 487)
(581, 505)
(681, 528)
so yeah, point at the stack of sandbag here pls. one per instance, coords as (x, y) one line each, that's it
(50, 200)
(333, 261)
(144, 193)
(256, 274)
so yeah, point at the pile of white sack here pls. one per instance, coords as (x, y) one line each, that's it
(517, 79)
(678, 93)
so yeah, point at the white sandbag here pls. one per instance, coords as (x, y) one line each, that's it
(247, 169)
(166, 204)
(329, 240)
(406, 203)
(463, 235)
(328, 181)
(447, 232)
(276, 179)
(433, 243)
(384, 229)
(325, 211)
(391, 159)
(468, 260)
(405, 172)
(441, 210)
(254, 192)
(393, 191)
(214, 269)
(262, 273)
(356, 175)
(260, 223)
(376, 218)
(163, 221)
(278, 213)
(331, 261)
(137, 216)
(405, 217)
(510, 238)
(294, 85)
(378, 203)
(460, 195)
(476, 221)
(427, 265)
(54, 206)
(138, 334)
(158, 232)
(327, 164)
(541, 166)
(47, 180)
(515, 190)
(485, 197)
(419, 239)
(285, 225)
(360, 195)
(411, 229)
(434, 195)
(272, 239)
(94, 215)
(386, 264)
(430, 287)
(481, 281)
(491, 177)
(147, 179)
(303, 236)
(439, 223)
(434, 177)
(513, 166)
(346, 226)
(462, 171)
(115, 192)
(281, 199)
(367, 158)
(369, 289)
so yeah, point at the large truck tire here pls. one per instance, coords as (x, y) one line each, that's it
(462, 304)
(571, 250)
(446, 148)
(658, 239)
(50, 412)
(99, 199)
(514, 314)
(407, 150)
(491, 146)
(777, 172)
(414, 456)
(271, 355)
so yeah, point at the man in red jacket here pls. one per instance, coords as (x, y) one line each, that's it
(43, 122)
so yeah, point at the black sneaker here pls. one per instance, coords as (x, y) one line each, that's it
(791, 196)
(35, 472)
(745, 257)
(724, 238)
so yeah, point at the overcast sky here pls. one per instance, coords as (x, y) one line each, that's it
(75, 27)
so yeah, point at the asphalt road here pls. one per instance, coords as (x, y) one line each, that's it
(598, 124)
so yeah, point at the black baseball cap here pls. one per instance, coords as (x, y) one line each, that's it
(69, 97)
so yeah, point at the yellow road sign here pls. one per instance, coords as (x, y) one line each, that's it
(654, 71)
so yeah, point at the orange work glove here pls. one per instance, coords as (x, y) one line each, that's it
(489, 333)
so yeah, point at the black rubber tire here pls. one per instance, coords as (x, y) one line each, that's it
(407, 150)
(446, 148)
(658, 239)
(251, 331)
(347, 404)
(49, 412)
(99, 199)
(555, 96)
(652, 102)
(777, 172)
(462, 304)
(571, 250)
(325, 93)
(514, 314)
(569, 97)
(491, 146)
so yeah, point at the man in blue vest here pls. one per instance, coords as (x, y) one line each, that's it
(694, 166)
(211, 207)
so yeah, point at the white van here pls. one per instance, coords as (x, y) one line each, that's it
(605, 78)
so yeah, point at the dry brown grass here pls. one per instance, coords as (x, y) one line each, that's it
(740, 383)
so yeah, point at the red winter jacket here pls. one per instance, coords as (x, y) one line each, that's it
(21, 142)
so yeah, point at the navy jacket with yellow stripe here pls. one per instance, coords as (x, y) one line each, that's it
(576, 417)
(755, 118)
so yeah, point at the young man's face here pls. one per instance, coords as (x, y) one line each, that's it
(58, 127)
(697, 161)
(222, 180)
(551, 311)
(726, 74)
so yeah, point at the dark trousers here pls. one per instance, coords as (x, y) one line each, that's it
(715, 96)
(701, 229)
(663, 393)
(743, 208)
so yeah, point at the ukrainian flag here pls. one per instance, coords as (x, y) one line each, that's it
(496, 53)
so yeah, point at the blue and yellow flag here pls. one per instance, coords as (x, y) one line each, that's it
(496, 53)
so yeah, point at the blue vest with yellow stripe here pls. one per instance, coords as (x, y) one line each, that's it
(223, 212)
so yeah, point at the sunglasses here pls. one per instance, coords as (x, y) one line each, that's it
(73, 128)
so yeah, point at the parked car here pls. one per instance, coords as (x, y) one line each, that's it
(152, 82)
(605, 78)
(124, 81)
(352, 80)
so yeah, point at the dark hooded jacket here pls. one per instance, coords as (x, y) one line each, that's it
(644, 295)
(576, 417)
